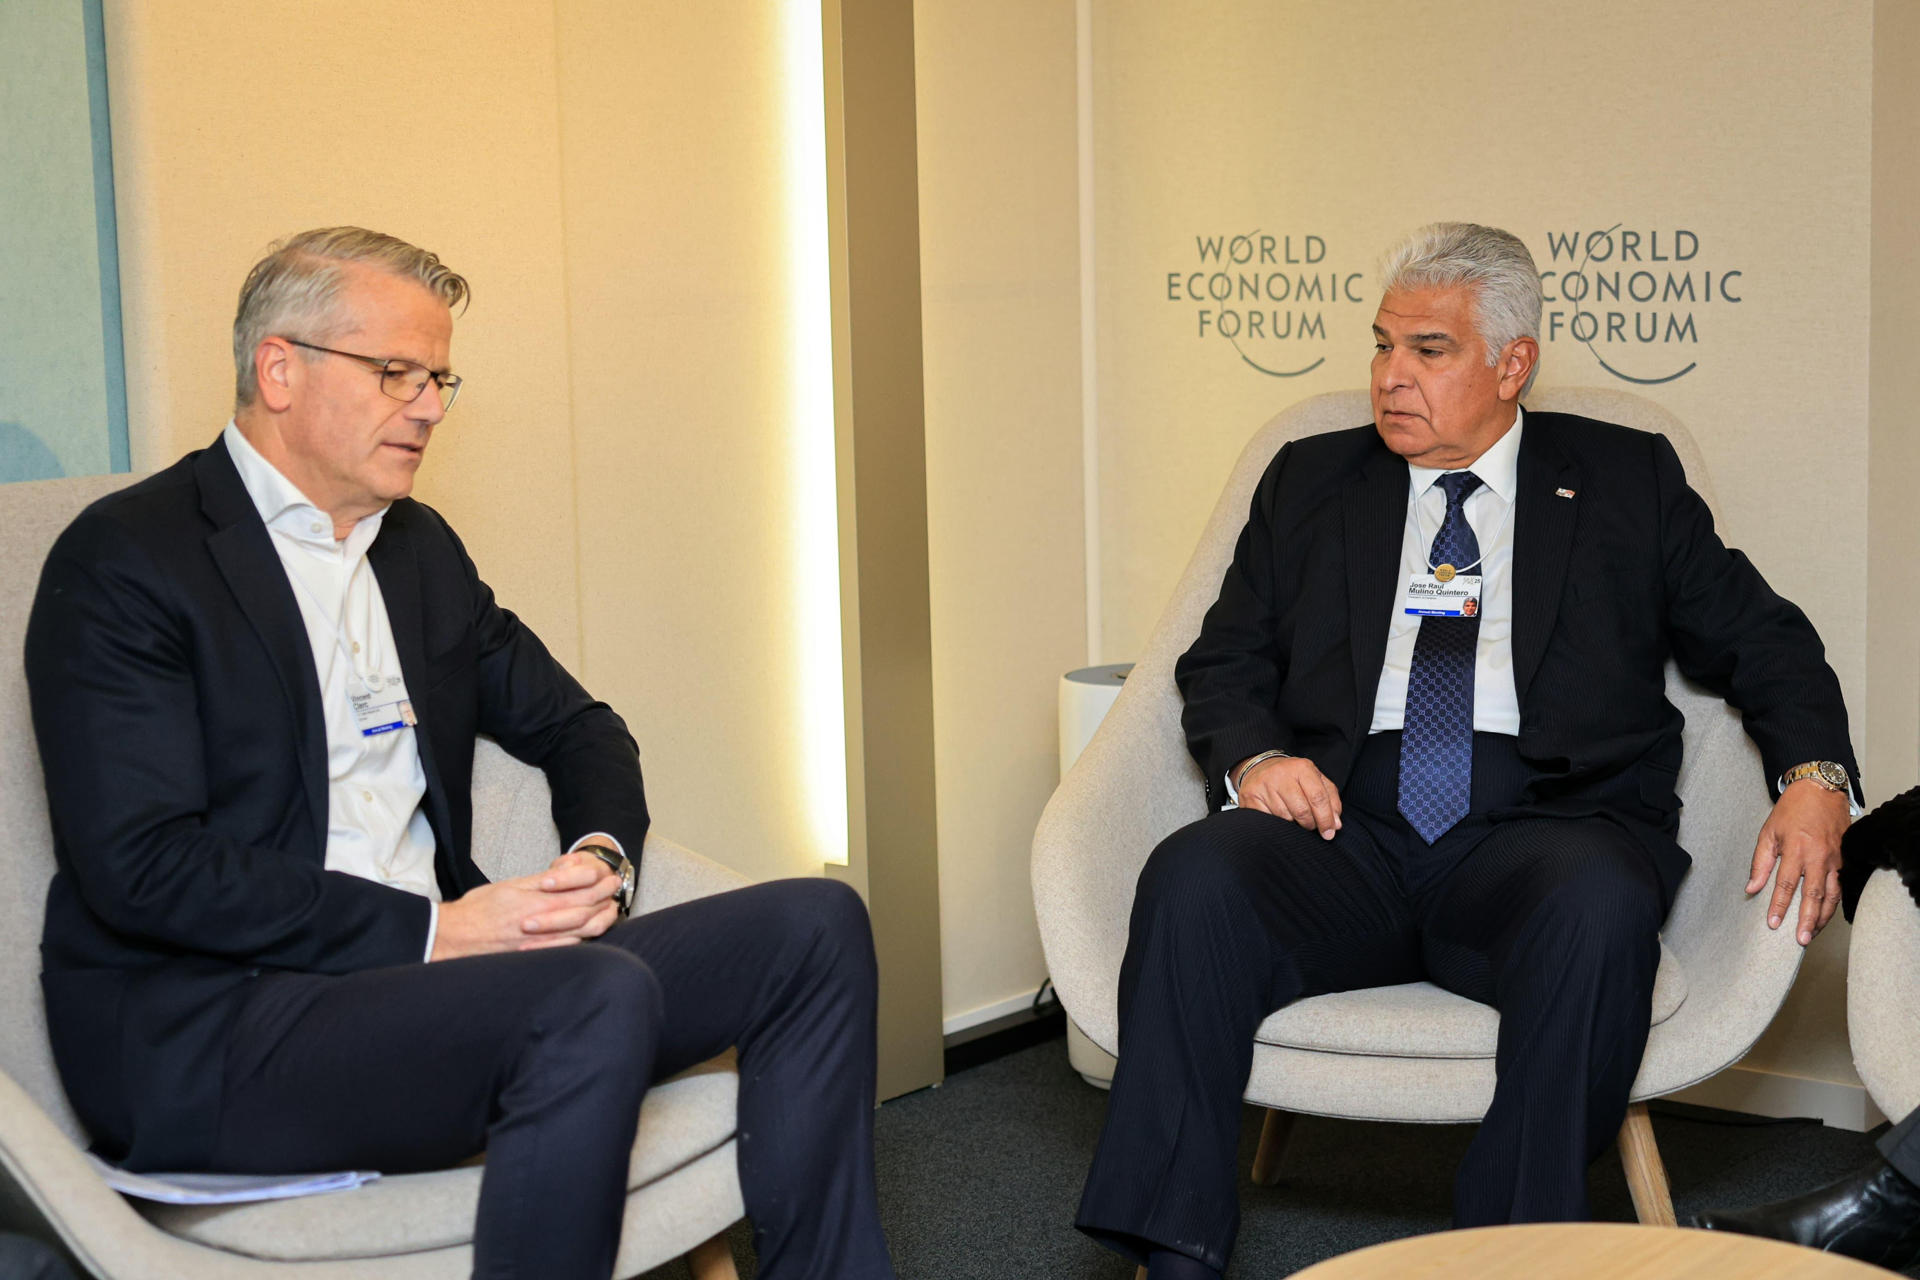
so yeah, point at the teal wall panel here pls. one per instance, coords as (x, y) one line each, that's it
(63, 405)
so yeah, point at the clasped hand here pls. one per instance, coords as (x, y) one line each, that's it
(572, 900)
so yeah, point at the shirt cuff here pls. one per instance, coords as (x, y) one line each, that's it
(598, 837)
(433, 927)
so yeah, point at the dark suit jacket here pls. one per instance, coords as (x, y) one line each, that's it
(1607, 585)
(179, 721)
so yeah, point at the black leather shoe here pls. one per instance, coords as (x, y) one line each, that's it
(1873, 1216)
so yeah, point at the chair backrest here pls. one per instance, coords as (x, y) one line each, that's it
(1135, 782)
(31, 516)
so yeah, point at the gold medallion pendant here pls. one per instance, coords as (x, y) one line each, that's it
(1445, 573)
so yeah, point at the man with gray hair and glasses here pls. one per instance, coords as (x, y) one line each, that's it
(1407, 787)
(257, 678)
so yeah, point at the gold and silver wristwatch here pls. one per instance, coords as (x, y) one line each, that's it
(1826, 775)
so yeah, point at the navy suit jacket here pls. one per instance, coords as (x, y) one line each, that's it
(1608, 584)
(179, 721)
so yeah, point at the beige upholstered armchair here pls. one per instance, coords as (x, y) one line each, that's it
(1883, 994)
(1412, 1052)
(683, 1189)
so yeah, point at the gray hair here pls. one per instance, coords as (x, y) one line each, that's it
(1492, 262)
(295, 290)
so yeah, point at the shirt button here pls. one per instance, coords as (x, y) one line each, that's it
(316, 528)
(356, 646)
(367, 796)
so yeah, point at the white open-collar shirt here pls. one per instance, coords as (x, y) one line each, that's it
(376, 827)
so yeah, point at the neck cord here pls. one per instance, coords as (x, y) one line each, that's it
(1419, 527)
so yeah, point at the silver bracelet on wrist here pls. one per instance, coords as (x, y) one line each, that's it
(1249, 766)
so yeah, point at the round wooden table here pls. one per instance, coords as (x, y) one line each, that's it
(1588, 1251)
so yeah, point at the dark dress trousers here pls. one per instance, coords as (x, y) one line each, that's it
(217, 998)
(1544, 902)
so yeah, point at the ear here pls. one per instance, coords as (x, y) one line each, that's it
(275, 373)
(1517, 360)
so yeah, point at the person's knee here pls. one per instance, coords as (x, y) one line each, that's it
(1604, 907)
(607, 1001)
(1196, 869)
(827, 925)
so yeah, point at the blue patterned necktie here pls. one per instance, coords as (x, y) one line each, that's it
(1436, 747)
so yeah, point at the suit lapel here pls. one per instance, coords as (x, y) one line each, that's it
(1375, 512)
(243, 551)
(1543, 522)
(398, 573)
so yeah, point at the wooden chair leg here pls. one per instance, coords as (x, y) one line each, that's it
(1274, 1132)
(712, 1260)
(1646, 1175)
(1139, 1273)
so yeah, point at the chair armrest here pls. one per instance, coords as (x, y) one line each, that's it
(47, 1189)
(1132, 785)
(513, 835)
(671, 874)
(1883, 997)
(1738, 971)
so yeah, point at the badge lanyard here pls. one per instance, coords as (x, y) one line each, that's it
(380, 703)
(1447, 591)
(1419, 530)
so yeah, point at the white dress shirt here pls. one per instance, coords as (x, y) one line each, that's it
(1489, 510)
(376, 827)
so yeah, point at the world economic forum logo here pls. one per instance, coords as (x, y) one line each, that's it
(1268, 295)
(1635, 299)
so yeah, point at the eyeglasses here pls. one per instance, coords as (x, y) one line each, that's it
(401, 380)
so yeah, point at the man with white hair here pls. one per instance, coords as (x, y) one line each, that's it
(257, 678)
(1404, 788)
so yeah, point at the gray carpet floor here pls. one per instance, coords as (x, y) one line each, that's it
(979, 1178)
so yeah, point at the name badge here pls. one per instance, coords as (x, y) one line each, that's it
(1457, 597)
(380, 704)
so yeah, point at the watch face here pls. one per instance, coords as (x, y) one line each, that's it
(1835, 775)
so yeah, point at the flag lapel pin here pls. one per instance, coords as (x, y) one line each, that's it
(1563, 493)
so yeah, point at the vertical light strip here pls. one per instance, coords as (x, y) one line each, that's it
(816, 540)
(1089, 366)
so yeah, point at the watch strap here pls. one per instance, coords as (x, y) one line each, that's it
(1819, 772)
(621, 865)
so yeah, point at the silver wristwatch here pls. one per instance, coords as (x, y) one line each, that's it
(622, 866)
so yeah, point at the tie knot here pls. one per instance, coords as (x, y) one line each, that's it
(1458, 484)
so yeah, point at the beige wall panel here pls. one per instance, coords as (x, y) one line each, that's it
(236, 123)
(677, 275)
(999, 245)
(1893, 654)
(1354, 123)
(1888, 722)
(1357, 122)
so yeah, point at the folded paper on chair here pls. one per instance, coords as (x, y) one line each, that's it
(224, 1188)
